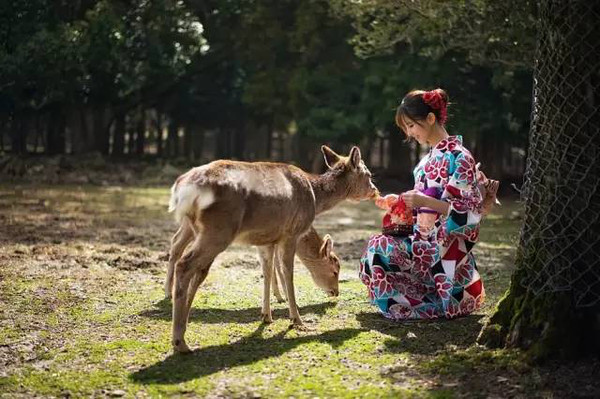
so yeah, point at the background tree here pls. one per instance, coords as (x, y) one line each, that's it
(553, 305)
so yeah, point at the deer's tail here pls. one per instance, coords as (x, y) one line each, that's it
(187, 199)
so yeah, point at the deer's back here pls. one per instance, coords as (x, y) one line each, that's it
(267, 200)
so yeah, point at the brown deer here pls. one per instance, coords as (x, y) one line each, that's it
(317, 256)
(315, 253)
(268, 205)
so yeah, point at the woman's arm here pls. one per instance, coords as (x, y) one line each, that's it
(415, 199)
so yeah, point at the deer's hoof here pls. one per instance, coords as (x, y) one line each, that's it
(267, 318)
(179, 346)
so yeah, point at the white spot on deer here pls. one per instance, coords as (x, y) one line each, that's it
(266, 184)
(184, 197)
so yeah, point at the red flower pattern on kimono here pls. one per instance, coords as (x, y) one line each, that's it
(401, 312)
(463, 274)
(465, 170)
(427, 313)
(443, 286)
(467, 305)
(436, 167)
(383, 281)
(453, 309)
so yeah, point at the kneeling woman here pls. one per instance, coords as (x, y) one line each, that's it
(431, 273)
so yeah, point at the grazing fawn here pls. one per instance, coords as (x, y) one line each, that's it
(317, 255)
(269, 205)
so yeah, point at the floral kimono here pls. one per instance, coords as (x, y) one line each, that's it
(431, 275)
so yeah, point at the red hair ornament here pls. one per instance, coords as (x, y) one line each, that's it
(435, 100)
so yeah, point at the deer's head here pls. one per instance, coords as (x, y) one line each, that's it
(325, 270)
(353, 173)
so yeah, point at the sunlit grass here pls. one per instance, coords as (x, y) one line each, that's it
(82, 310)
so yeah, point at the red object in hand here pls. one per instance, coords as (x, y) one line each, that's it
(401, 211)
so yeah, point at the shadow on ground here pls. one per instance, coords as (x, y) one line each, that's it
(178, 368)
(421, 336)
(162, 311)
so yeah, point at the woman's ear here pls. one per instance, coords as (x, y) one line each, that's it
(431, 119)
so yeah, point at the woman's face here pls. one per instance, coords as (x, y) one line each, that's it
(419, 131)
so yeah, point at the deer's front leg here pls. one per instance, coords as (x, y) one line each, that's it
(265, 256)
(286, 251)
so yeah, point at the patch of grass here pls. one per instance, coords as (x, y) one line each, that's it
(82, 312)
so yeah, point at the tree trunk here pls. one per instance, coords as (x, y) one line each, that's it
(239, 143)
(130, 135)
(188, 142)
(56, 139)
(400, 161)
(552, 308)
(18, 135)
(269, 144)
(119, 136)
(101, 131)
(198, 143)
(140, 132)
(173, 139)
(159, 135)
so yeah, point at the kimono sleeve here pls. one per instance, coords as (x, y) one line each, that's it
(464, 197)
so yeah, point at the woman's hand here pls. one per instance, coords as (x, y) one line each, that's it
(386, 202)
(414, 199)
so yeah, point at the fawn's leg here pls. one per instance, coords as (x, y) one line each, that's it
(286, 251)
(277, 276)
(180, 240)
(265, 256)
(196, 260)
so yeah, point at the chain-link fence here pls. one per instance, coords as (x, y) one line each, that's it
(560, 239)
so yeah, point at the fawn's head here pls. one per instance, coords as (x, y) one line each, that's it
(353, 173)
(325, 270)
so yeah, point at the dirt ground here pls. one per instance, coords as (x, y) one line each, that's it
(82, 313)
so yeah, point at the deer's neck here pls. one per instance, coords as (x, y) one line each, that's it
(329, 189)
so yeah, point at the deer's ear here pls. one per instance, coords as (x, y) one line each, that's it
(331, 158)
(326, 247)
(354, 157)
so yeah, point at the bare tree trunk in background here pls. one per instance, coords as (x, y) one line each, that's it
(239, 142)
(2, 127)
(100, 130)
(188, 141)
(198, 143)
(173, 139)
(400, 163)
(18, 135)
(269, 143)
(159, 134)
(140, 132)
(119, 136)
(130, 134)
(56, 138)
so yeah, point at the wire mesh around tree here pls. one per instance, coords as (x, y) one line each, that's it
(560, 239)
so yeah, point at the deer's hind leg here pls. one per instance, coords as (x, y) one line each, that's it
(277, 276)
(265, 256)
(190, 272)
(184, 235)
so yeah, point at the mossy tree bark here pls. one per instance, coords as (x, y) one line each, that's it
(552, 308)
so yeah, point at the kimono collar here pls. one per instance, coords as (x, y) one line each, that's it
(453, 141)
